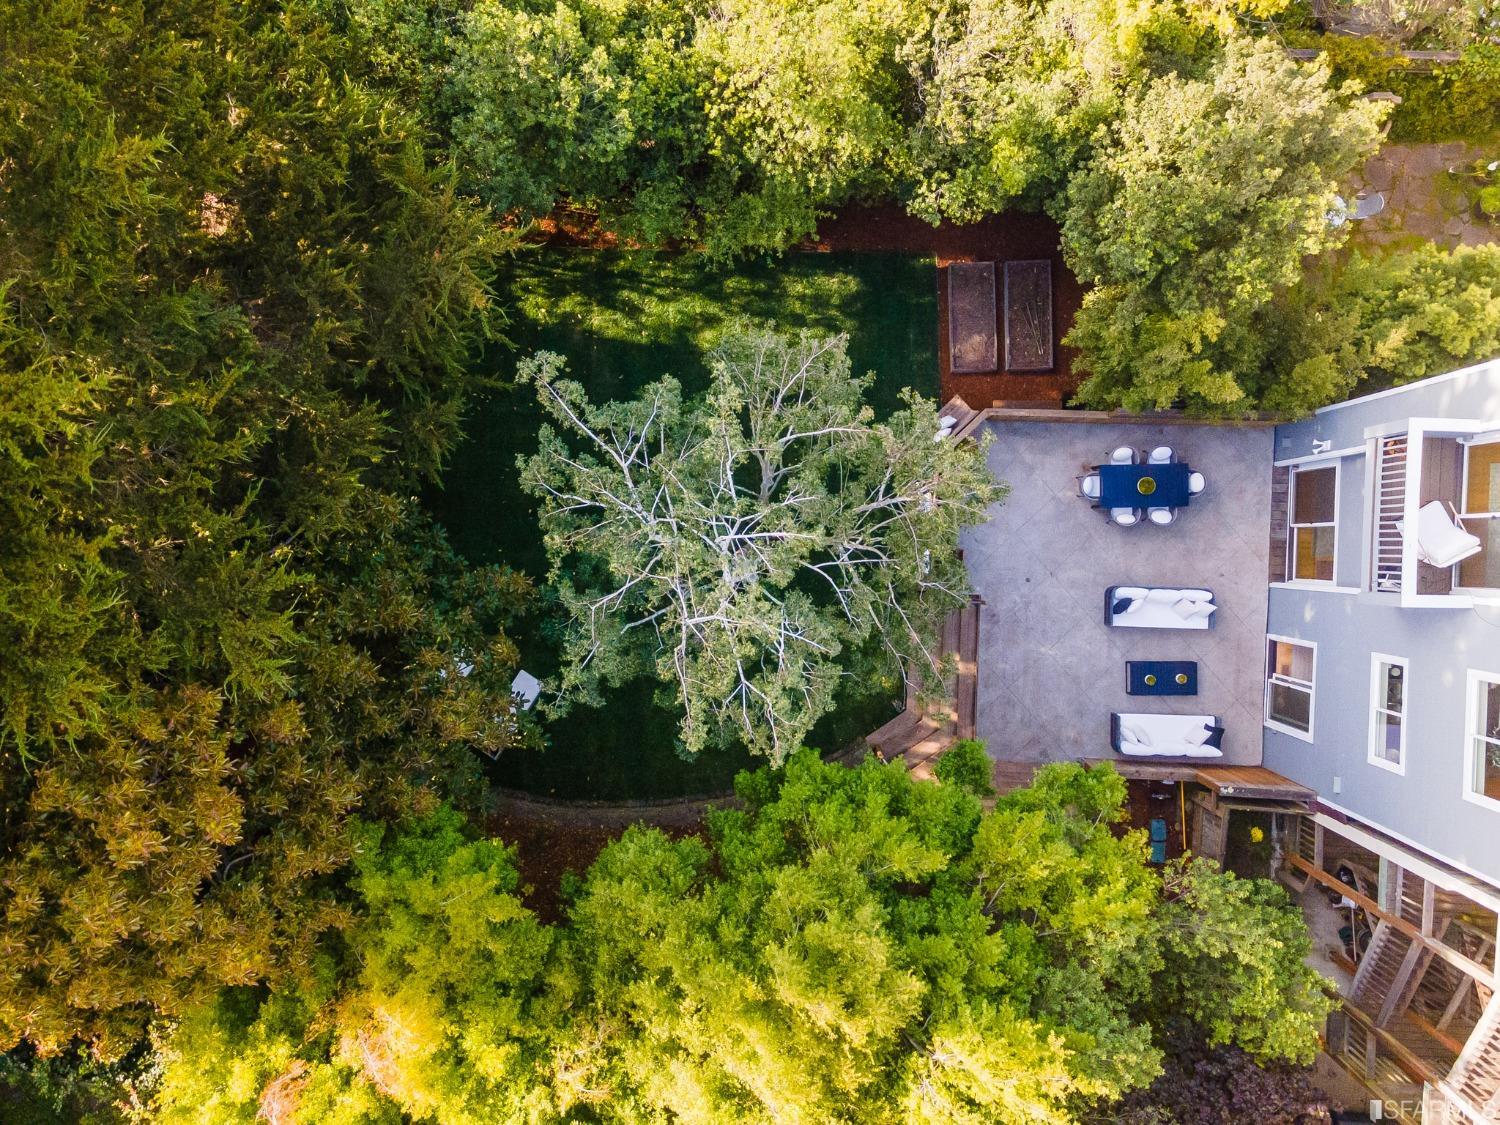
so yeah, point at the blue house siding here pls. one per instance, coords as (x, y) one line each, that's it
(1473, 392)
(1426, 804)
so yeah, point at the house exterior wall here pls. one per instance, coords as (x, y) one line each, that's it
(1426, 804)
(1473, 392)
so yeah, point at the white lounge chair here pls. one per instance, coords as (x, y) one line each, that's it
(1161, 516)
(1162, 455)
(1441, 540)
(1196, 483)
(1123, 456)
(1125, 517)
(1088, 486)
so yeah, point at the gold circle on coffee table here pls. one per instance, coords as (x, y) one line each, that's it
(1146, 486)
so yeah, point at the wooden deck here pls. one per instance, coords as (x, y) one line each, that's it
(921, 734)
(1249, 782)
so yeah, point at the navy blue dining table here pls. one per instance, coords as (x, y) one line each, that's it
(1118, 485)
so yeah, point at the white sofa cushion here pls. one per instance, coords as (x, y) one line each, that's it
(1186, 608)
(1170, 736)
(1161, 608)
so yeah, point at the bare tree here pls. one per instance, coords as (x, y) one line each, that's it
(744, 545)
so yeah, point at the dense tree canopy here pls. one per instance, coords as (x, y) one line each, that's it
(237, 306)
(1191, 164)
(1196, 211)
(851, 946)
(744, 547)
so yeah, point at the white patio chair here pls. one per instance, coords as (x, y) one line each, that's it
(1161, 516)
(1088, 486)
(1125, 517)
(1196, 483)
(1441, 539)
(1123, 456)
(1162, 455)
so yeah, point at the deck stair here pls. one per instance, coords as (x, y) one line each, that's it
(1390, 507)
(965, 418)
(1380, 969)
(923, 732)
(1476, 1074)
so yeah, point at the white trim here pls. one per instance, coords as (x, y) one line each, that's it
(1471, 707)
(1377, 661)
(1310, 458)
(1487, 896)
(1428, 382)
(1312, 689)
(1315, 586)
(1292, 525)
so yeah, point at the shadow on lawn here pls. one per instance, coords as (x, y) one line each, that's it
(624, 319)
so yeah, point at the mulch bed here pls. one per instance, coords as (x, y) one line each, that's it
(546, 851)
(999, 238)
(887, 227)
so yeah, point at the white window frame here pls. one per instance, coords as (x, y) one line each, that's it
(1472, 736)
(1292, 525)
(1310, 685)
(1465, 514)
(1379, 660)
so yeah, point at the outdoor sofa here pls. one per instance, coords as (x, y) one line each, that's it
(1165, 736)
(1158, 607)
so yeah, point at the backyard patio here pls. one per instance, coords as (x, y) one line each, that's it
(1051, 671)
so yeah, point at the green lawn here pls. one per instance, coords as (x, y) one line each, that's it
(623, 319)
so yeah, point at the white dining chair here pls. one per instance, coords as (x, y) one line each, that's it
(1161, 516)
(1196, 483)
(1162, 455)
(1125, 517)
(1088, 486)
(1123, 456)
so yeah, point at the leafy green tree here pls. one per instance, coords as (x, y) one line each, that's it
(1419, 312)
(1005, 98)
(743, 547)
(858, 946)
(804, 103)
(1198, 208)
(238, 308)
(596, 102)
(436, 1012)
(852, 945)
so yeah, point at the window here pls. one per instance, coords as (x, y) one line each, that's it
(1388, 711)
(1482, 752)
(1314, 502)
(1289, 686)
(1481, 514)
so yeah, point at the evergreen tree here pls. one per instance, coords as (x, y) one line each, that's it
(238, 304)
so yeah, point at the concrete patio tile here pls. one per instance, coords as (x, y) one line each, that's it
(1051, 671)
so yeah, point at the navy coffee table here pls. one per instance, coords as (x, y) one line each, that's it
(1161, 677)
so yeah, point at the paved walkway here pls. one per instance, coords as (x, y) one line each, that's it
(1423, 201)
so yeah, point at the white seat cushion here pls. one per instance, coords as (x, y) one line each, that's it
(1186, 608)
